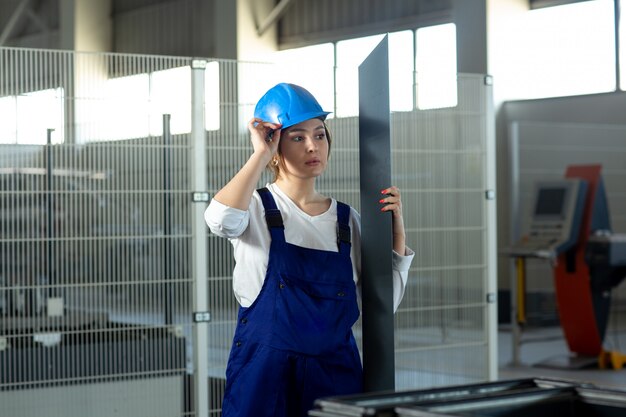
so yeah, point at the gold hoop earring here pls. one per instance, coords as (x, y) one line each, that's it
(275, 162)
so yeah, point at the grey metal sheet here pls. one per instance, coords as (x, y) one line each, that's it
(375, 167)
(382, 404)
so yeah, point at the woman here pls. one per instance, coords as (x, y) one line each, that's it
(297, 267)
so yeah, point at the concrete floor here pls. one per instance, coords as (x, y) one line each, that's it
(547, 344)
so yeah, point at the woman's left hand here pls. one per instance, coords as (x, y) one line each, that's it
(392, 202)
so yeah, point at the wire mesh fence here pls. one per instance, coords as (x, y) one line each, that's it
(97, 231)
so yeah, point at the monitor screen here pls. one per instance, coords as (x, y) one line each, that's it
(550, 201)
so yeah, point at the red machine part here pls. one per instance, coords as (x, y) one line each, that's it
(573, 290)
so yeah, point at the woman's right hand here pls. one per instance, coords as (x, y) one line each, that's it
(265, 136)
(237, 193)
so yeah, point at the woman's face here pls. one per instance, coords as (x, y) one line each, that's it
(304, 149)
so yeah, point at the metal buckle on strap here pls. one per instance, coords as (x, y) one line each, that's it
(273, 218)
(343, 233)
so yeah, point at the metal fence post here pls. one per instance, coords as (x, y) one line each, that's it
(199, 239)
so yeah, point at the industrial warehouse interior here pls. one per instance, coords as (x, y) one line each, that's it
(121, 119)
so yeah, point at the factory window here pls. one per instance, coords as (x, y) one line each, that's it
(137, 103)
(401, 71)
(559, 51)
(170, 93)
(351, 53)
(8, 127)
(433, 60)
(126, 107)
(311, 67)
(20, 127)
(436, 66)
(212, 96)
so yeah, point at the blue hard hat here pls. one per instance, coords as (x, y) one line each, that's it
(288, 104)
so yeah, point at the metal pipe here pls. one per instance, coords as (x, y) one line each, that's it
(514, 231)
(167, 219)
(49, 210)
(491, 276)
(199, 180)
(617, 16)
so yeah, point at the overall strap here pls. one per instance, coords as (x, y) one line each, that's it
(343, 227)
(273, 218)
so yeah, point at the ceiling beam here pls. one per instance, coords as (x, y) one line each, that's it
(39, 22)
(277, 12)
(15, 17)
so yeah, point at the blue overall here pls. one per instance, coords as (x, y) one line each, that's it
(294, 344)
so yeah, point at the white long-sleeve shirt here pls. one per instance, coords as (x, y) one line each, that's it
(250, 237)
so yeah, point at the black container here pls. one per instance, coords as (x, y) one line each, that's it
(383, 404)
(574, 401)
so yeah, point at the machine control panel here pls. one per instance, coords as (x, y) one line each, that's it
(555, 219)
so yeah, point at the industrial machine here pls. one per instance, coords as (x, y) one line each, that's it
(606, 258)
(570, 227)
(555, 223)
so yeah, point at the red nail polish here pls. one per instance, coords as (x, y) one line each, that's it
(383, 191)
(382, 201)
